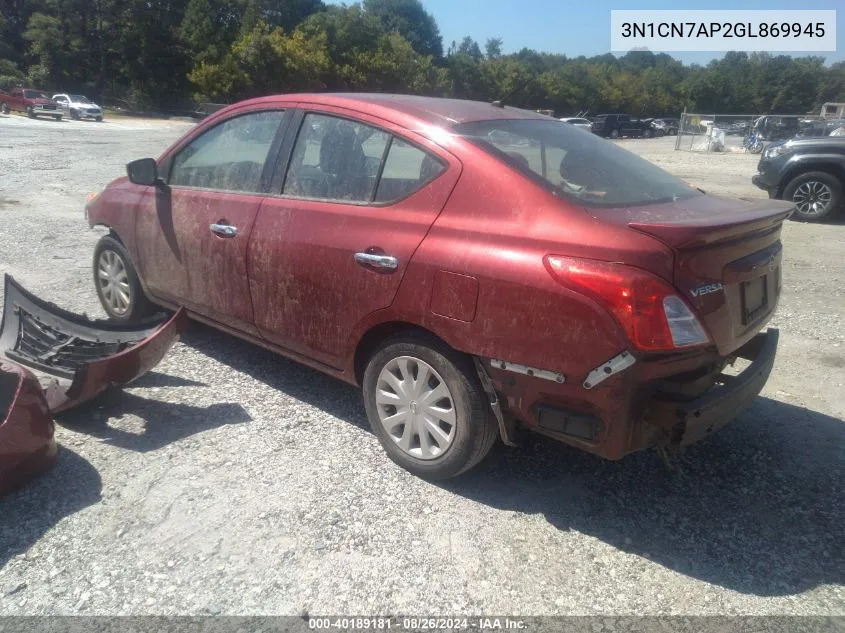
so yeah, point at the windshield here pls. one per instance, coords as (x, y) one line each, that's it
(79, 99)
(34, 94)
(576, 165)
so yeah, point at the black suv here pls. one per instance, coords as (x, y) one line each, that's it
(616, 125)
(807, 171)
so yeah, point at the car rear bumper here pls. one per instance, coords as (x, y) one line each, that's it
(695, 419)
(634, 409)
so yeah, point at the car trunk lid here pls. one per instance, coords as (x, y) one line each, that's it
(727, 258)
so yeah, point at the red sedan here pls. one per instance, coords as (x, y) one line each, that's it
(473, 267)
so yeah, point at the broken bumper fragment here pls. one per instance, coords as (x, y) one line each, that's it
(53, 360)
(27, 445)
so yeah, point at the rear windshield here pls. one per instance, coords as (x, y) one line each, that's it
(34, 94)
(575, 164)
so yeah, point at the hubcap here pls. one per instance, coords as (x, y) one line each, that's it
(415, 407)
(114, 282)
(812, 197)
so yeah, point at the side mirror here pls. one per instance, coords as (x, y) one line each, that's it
(143, 171)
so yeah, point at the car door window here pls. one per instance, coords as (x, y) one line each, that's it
(230, 156)
(406, 169)
(335, 159)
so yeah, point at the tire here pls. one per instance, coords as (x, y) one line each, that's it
(57, 117)
(468, 418)
(108, 252)
(647, 133)
(4, 108)
(614, 134)
(74, 115)
(99, 119)
(816, 194)
(30, 112)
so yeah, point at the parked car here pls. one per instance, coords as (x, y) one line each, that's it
(31, 101)
(78, 107)
(471, 266)
(584, 124)
(617, 125)
(666, 126)
(809, 172)
(811, 129)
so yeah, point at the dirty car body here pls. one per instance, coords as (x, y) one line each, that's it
(52, 360)
(392, 241)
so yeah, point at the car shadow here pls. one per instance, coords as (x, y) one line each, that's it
(758, 508)
(331, 395)
(163, 422)
(157, 379)
(27, 514)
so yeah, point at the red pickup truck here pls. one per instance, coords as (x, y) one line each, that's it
(32, 101)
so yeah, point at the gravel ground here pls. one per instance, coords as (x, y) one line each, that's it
(230, 480)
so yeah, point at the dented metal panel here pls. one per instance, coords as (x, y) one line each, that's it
(75, 358)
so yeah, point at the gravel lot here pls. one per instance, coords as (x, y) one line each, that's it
(230, 480)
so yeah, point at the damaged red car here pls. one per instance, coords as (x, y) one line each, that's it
(474, 267)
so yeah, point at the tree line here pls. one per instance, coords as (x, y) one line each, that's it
(173, 53)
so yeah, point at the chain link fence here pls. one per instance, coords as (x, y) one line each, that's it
(732, 132)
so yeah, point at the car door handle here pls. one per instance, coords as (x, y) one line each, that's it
(224, 230)
(373, 260)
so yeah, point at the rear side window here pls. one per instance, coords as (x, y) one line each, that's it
(406, 169)
(230, 156)
(581, 167)
(335, 159)
(343, 160)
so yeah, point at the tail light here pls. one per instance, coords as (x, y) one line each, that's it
(649, 310)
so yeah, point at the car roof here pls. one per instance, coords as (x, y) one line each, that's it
(431, 110)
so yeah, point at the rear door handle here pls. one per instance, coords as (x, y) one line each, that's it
(224, 230)
(372, 260)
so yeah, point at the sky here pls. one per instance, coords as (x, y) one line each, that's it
(582, 27)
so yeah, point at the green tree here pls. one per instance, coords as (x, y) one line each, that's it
(411, 21)
(493, 47)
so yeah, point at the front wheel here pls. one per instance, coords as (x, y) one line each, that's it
(815, 194)
(117, 283)
(30, 112)
(74, 115)
(427, 408)
(57, 117)
(647, 133)
(614, 134)
(4, 108)
(99, 119)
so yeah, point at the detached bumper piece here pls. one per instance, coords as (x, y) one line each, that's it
(27, 444)
(53, 360)
(696, 419)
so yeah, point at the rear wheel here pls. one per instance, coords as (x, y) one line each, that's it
(4, 108)
(116, 280)
(426, 407)
(58, 117)
(614, 133)
(648, 133)
(815, 195)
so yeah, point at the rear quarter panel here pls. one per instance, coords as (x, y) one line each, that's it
(496, 229)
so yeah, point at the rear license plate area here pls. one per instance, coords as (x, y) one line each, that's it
(755, 299)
